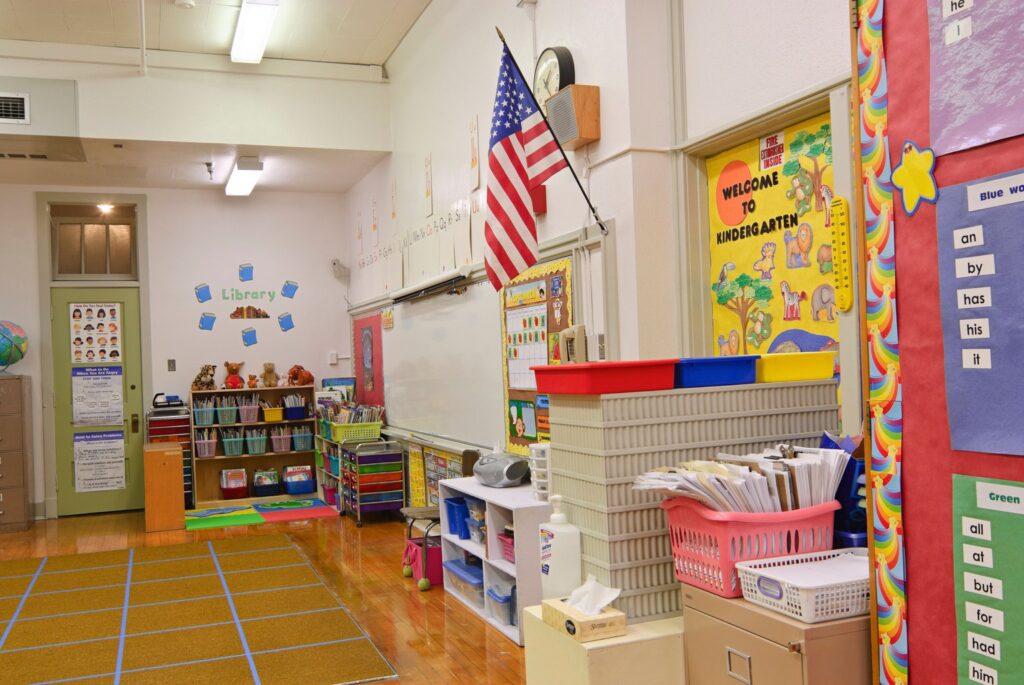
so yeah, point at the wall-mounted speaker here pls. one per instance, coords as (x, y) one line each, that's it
(575, 115)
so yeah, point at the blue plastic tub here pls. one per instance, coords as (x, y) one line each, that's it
(294, 413)
(300, 487)
(703, 372)
(458, 512)
(465, 580)
(845, 540)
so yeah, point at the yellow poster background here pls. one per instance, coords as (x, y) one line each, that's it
(771, 252)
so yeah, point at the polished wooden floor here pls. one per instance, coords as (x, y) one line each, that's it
(428, 637)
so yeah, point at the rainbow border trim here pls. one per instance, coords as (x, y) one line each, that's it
(885, 383)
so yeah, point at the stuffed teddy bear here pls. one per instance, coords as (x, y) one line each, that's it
(270, 377)
(204, 379)
(297, 375)
(234, 381)
(252, 382)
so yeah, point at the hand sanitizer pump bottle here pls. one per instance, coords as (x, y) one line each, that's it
(560, 561)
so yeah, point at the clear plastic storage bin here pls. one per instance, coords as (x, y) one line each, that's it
(467, 581)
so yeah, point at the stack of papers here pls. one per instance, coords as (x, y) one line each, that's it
(780, 479)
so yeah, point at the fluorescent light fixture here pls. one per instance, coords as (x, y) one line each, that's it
(454, 275)
(252, 31)
(106, 209)
(244, 176)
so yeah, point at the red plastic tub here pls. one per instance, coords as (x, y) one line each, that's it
(596, 378)
(234, 493)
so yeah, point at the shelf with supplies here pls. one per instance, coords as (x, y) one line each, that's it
(485, 569)
(250, 444)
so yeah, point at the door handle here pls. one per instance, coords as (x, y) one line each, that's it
(135, 423)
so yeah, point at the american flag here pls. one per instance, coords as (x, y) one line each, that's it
(523, 154)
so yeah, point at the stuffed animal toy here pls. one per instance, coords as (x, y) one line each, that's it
(270, 377)
(234, 381)
(204, 379)
(297, 375)
(252, 382)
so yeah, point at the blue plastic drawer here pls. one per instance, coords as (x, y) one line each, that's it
(709, 371)
(300, 487)
(458, 512)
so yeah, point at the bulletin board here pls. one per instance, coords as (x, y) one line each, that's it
(771, 252)
(536, 307)
(933, 53)
(368, 362)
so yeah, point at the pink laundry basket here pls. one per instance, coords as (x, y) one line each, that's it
(706, 544)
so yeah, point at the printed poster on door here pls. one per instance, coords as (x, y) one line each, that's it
(97, 395)
(99, 461)
(95, 332)
(771, 252)
(536, 308)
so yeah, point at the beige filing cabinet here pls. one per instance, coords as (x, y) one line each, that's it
(15, 452)
(730, 641)
(650, 653)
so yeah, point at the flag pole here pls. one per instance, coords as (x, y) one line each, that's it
(593, 210)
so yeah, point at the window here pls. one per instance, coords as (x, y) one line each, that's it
(90, 244)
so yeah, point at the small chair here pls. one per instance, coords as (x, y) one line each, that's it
(432, 515)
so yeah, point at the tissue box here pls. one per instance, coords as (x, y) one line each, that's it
(568, 621)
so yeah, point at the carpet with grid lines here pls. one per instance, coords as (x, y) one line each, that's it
(242, 610)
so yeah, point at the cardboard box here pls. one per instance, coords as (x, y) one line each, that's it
(568, 621)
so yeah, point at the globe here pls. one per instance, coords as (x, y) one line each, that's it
(13, 344)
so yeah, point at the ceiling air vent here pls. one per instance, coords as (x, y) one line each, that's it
(14, 108)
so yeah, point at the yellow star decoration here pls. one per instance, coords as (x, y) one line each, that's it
(915, 177)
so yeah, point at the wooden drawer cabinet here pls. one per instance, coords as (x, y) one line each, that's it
(15, 453)
(731, 641)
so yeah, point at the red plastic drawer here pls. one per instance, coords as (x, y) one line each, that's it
(595, 378)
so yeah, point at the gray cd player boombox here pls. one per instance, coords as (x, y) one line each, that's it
(501, 470)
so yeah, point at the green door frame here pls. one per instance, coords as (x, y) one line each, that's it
(48, 507)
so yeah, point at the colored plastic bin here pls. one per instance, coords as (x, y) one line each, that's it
(476, 530)
(845, 540)
(303, 442)
(477, 509)
(788, 367)
(204, 416)
(300, 487)
(706, 544)
(234, 493)
(227, 415)
(273, 414)
(508, 547)
(256, 444)
(266, 490)
(596, 378)
(331, 495)
(500, 606)
(704, 372)
(458, 512)
(340, 432)
(333, 464)
(467, 581)
(233, 447)
(206, 448)
(294, 413)
(249, 414)
(281, 443)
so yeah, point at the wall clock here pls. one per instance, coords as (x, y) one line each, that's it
(554, 71)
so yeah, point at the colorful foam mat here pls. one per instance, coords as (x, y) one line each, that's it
(256, 514)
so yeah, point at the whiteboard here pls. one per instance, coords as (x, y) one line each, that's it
(442, 367)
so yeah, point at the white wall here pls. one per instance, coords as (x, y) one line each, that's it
(745, 55)
(201, 236)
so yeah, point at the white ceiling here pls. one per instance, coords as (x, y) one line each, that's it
(182, 165)
(345, 31)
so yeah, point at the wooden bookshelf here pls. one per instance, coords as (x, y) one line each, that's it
(206, 470)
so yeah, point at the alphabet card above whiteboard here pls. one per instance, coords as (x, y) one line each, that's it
(988, 523)
(981, 290)
(536, 307)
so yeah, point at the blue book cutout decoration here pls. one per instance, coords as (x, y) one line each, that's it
(203, 293)
(286, 322)
(206, 321)
(249, 337)
(289, 289)
(245, 272)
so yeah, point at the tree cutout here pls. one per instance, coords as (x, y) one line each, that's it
(817, 149)
(744, 296)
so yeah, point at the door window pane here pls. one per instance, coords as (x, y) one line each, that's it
(69, 249)
(120, 249)
(95, 249)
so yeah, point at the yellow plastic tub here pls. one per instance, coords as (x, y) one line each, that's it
(795, 366)
(273, 414)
